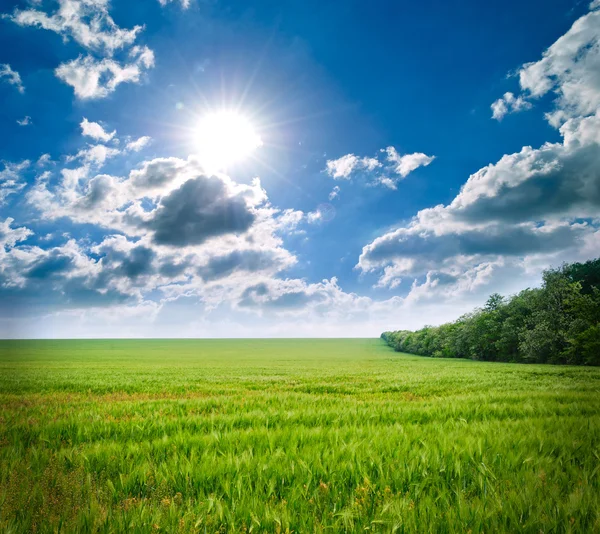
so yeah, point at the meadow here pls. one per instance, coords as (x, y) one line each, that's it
(291, 436)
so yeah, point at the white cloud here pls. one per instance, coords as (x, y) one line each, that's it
(44, 159)
(508, 104)
(95, 154)
(569, 68)
(11, 76)
(87, 22)
(530, 209)
(334, 192)
(10, 236)
(343, 167)
(530, 203)
(206, 236)
(288, 220)
(190, 207)
(92, 78)
(314, 216)
(226, 275)
(11, 180)
(25, 121)
(299, 299)
(184, 3)
(388, 182)
(536, 207)
(395, 168)
(370, 164)
(139, 143)
(404, 165)
(96, 131)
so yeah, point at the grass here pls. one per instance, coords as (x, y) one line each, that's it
(291, 435)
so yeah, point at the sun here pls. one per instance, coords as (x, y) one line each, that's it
(224, 138)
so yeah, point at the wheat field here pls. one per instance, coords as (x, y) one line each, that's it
(291, 436)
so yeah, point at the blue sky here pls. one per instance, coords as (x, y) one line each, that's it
(407, 160)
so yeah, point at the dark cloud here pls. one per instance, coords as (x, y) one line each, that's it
(443, 279)
(42, 295)
(557, 185)
(53, 265)
(138, 262)
(170, 269)
(130, 263)
(100, 188)
(239, 260)
(426, 250)
(156, 173)
(200, 209)
(261, 295)
(258, 289)
(528, 203)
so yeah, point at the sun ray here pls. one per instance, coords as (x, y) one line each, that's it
(224, 138)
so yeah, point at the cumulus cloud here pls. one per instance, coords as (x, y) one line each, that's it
(95, 154)
(509, 103)
(341, 168)
(36, 281)
(414, 251)
(569, 68)
(386, 181)
(44, 159)
(138, 144)
(533, 207)
(102, 192)
(288, 220)
(527, 203)
(246, 261)
(201, 208)
(25, 121)
(12, 77)
(117, 201)
(11, 180)
(10, 236)
(176, 234)
(404, 165)
(388, 172)
(92, 78)
(124, 258)
(87, 22)
(181, 229)
(301, 299)
(314, 216)
(158, 173)
(96, 131)
(222, 254)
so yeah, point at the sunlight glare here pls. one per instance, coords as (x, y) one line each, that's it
(224, 138)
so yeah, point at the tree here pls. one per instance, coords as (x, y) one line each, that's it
(557, 323)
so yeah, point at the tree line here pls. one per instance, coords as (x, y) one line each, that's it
(557, 323)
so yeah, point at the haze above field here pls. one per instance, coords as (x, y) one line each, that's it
(206, 169)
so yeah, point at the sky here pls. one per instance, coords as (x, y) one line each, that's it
(200, 168)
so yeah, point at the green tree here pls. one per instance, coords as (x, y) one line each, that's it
(557, 323)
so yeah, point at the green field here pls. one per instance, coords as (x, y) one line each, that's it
(291, 435)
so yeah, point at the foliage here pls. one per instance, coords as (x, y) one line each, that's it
(557, 323)
(291, 435)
